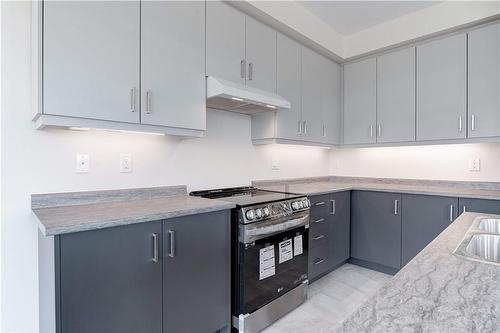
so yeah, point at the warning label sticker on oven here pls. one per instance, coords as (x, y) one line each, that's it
(267, 265)
(297, 245)
(286, 252)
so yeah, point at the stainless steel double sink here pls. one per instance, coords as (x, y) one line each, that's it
(482, 241)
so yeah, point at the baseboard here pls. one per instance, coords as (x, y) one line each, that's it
(373, 266)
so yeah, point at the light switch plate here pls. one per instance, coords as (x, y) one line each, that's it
(475, 164)
(82, 163)
(125, 163)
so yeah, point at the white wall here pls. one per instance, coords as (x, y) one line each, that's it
(446, 162)
(44, 161)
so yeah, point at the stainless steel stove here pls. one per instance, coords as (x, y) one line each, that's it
(269, 254)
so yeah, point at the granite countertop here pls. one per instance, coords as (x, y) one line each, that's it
(437, 291)
(102, 211)
(323, 187)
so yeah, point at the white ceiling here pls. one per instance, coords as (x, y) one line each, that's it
(349, 17)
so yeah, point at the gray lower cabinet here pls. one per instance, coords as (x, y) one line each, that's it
(108, 281)
(360, 95)
(328, 232)
(441, 89)
(196, 280)
(376, 230)
(479, 205)
(484, 81)
(163, 276)
(424, 218)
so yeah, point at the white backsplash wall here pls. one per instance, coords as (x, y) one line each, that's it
(446, 162)
(44, 161)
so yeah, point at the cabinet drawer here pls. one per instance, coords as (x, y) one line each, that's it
(318, 260)
(319, 226)
(320, 206)
(318, 240)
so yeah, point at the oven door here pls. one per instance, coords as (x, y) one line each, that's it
(272, 260)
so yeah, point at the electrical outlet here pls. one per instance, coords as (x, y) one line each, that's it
(475, 164)
(125, 163)
(82, 163)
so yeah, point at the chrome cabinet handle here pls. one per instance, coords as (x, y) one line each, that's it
(464, 209)
(472, 122)
(321, 203)
(304, 127)
(451, 213)
(250, 71)
(155, 248)
(319, 221)
(379, 130)
(371, 131)
(171, 237)
(132, 99)
(319, 237)
(317, 262)
(324, 131)
(334, 208)
(243, 67)
(148, 101)
(460, 123)
(396, 207)
(299, 127)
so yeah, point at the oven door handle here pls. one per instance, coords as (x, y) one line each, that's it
(251, 232)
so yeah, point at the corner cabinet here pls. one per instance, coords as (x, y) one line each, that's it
(145, 277)
(87, 81)
(312, 83)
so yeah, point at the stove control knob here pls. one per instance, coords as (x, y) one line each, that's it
(250, 214)
(258, 213)
(301, 204)
(306, 203)
(295, 205)
(266, 211)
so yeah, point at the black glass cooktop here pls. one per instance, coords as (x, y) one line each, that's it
(245, 196)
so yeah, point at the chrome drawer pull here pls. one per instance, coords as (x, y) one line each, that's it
(171, 235)
(319, 237)
(321, 203)
(319, 221)
(317, 262)
(155, 247)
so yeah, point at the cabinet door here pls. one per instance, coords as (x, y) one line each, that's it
(260, 55)
(340, 212)
(424, 218)
(484, 81)
(196, 286)
(225, 42)
(109, 281)
(360, 102)
(441, 89)
(288, 86)
(91, 59)
(376, 228)
(330, 102)
(312, 85)
(396, 96)
(173, 64)
(479, 206)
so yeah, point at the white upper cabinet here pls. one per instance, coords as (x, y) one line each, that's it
(360, 94)
(312, 94)
(441, 89)
(396, 96)
(330, 102)
(91, 59)
(288, 122)
(173, 64)
(225, 42)
(260, 55)
(484, 82)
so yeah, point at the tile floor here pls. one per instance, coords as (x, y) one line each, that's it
(332, 299)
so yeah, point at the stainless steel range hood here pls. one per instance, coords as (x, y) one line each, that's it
(230, 96)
